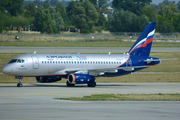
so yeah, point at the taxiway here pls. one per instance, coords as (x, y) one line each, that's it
(34, 101)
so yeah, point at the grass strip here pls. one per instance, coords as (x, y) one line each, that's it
(126, 97)
(80, 44)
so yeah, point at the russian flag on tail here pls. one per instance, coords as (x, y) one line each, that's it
(142, 46)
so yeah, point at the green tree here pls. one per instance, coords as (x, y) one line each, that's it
(46, 5)
(31, 10)
(126, 21)
(79, 16)
(94, 2)
(4, 4)
(165, 27)
(134, 6)
(92, 15)
(69, 8)
(102, 2)
(48, 20)
(54, 2)
(84, 15)
(167, 2)
(62, 11)
(151, 12)
(15, 8)
(168, 11)
(1, 26)
(176, 22)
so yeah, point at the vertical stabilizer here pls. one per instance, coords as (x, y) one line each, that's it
(142, 46)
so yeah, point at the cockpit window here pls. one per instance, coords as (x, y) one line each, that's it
(17, 61)
(13, 61)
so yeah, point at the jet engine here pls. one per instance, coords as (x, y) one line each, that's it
(80, 78)
(47, 79)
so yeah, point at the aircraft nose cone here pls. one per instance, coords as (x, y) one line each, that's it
(5, 70)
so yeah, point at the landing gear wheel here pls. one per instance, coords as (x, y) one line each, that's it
(91, 84)
(20, 83)
(69, 85)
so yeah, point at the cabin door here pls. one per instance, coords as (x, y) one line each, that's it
(35, 62)
(129, 63)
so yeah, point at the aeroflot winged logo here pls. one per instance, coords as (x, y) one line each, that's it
(81, 58)
(144, 42)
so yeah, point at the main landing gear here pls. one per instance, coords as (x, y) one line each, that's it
(19, 84)
(90, 84)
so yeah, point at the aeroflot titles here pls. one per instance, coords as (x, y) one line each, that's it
(58, 56)
(77, 57)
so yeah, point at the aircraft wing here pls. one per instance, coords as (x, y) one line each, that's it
(95, 72)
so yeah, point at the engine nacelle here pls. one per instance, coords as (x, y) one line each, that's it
(48, 79)
(80, 78)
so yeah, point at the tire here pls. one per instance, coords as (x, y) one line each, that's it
(69, 85)
(92, 84)
(18, 85)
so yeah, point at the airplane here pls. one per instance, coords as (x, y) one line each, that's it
(84, 68)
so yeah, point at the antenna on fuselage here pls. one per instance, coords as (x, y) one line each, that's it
(109, 53)
(34, 52)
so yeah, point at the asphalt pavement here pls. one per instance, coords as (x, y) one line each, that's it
(34, 101)
(77, 49)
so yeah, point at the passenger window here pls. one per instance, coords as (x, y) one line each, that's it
(48, 62)
(42, 62)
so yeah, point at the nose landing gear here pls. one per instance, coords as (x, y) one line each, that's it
(19, 84)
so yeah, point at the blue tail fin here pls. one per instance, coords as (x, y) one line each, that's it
(142, 46)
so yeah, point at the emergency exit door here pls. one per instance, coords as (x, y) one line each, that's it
(35, 62)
